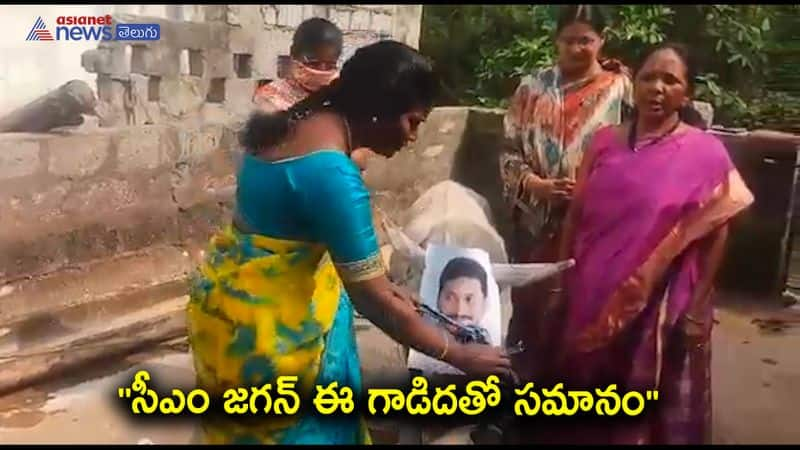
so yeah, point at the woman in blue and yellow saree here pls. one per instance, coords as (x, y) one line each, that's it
(276, 293)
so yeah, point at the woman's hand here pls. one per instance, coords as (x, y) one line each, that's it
(361, 156)
(480, 361)
(395, 311)
(549, 189)
(553, 300)
(554, 297)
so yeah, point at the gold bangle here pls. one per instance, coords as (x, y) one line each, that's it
(446, 346)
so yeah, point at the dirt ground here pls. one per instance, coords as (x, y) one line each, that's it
(756, 390)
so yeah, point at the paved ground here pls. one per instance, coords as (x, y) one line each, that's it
(756, 383)
(756, 391)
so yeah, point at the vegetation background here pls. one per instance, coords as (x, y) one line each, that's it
(749, 54)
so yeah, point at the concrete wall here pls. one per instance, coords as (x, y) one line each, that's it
(203, 37)
(208, 71)
(68, 199)
(757, 254)
(161, 169)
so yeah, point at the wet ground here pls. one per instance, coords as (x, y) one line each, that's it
(756, 390)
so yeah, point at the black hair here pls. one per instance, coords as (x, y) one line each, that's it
(687, 113)
(463, 267)
(383, 80)
(313, 34)
(683, 53)
(589, 14)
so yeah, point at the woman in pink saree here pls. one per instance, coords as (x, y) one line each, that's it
(647, 229)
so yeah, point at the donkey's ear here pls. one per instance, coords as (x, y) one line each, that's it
(405, 245)
(518, 275)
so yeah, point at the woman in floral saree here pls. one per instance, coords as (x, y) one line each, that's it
(647, 228)
(552, 118)
(274, 295)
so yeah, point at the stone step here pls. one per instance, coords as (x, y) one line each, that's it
(59, 322)
(96, 282)
(100, 339)
(109, 310)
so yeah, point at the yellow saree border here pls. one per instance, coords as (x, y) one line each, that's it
(728, 199)
(365, 269)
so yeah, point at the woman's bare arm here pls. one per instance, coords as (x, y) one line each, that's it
(568, 226)
(515, 172)
(717, 242)
(697, 320)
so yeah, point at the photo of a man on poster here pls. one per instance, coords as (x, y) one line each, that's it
(458, 283)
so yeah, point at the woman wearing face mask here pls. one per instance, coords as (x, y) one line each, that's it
(274, 295)
(315, 52)
(552, 117)
(647, 227)
(316, 48)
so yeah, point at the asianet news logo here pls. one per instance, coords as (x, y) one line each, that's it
(93, 28)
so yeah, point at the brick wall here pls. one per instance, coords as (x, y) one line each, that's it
(209, 70)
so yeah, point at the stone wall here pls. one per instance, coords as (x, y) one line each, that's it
(161, 167)
(208, 71)
(66, 199)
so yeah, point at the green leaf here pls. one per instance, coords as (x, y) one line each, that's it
(741, 103)
(765, 26)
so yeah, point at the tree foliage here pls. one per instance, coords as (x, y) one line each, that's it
(749, 68)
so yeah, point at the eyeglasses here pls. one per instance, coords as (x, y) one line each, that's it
(583, 41)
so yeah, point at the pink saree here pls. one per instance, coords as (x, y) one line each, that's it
(634, 315)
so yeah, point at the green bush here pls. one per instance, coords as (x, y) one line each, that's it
(481, 51)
